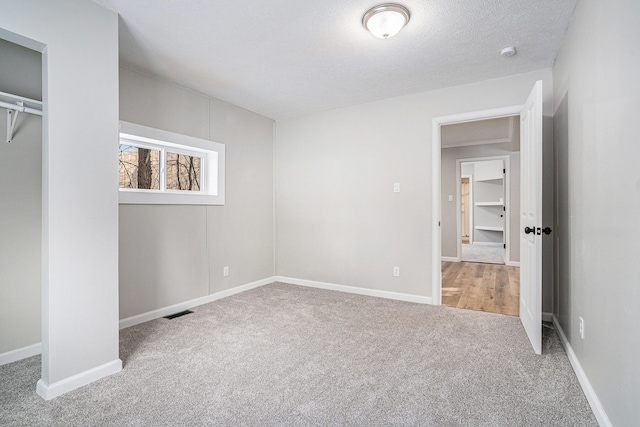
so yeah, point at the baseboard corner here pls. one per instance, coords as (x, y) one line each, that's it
(50, 391)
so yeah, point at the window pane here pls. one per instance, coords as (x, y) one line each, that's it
(183, 172)
(139, 168)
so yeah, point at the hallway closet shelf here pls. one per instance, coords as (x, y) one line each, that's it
(489, 204)
(496, 180)
(488, 228)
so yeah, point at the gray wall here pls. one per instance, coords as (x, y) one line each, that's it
(20, 203)
(597, 103)
(448, 185)
(20, 71)
(337, 217)
(172, 254)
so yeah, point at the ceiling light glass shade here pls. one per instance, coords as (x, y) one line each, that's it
(386, 20)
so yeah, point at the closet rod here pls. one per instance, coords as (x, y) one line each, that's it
(20, 108)
(15, 105)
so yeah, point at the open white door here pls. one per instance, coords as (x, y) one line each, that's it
(531, 217)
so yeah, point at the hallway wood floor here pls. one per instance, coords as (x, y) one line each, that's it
(484, 287)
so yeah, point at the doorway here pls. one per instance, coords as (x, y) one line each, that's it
(479, 160)
(530, 114)
(483, 208)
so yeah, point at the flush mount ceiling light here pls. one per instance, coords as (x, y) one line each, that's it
(386, 20)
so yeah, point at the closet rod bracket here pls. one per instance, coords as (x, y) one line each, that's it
(12, 116)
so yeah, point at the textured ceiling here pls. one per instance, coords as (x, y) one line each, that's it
(285, 58)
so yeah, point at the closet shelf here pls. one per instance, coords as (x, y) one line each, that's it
(496, 180)
(489, 204)
(487, 228)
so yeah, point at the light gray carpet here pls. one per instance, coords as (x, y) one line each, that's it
(288, 355)
(482, 253)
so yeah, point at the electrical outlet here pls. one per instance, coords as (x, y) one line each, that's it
(581, 327)
(225, 271)
(396, 271)
(396, 187)
(451, 197)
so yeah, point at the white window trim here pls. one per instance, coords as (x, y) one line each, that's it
(212, 154)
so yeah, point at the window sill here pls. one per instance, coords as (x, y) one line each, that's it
(142, 198)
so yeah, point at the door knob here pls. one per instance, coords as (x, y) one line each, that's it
(528, 230)
(546, 230)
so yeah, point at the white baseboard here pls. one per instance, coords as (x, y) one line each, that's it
(450, 259)
(165, 311)
(156, 314)
(355, 290)
(594, 402)
(515, 264)
(547, 317)
(49, 391)
(20, 353)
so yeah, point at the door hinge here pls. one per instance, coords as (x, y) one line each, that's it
(504, 245)
(504, 171)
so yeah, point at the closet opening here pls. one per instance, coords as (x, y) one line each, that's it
(21, 201)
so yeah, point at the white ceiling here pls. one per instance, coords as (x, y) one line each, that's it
(286, 58)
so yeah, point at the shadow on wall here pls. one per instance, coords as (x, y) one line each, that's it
(562, 279)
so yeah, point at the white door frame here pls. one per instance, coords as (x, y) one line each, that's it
(470, 177)
(507, 202)
(436, 213)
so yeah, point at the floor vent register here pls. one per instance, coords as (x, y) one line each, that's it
(180, 314)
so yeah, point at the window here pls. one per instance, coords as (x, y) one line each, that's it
(159, 167)
(183, 172)
(139, 167)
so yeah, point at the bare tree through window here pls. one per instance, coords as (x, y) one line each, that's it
(183, 172)
(139, 167)
(144, 168)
